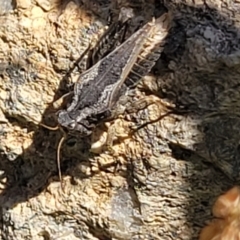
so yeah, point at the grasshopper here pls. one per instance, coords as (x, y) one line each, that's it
(99, 89)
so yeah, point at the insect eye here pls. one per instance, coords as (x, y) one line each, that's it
(71, 142)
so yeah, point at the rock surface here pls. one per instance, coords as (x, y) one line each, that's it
(158, 182)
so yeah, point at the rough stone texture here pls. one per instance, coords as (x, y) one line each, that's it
(156, 183)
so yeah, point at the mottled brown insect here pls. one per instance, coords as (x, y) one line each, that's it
(99, 89)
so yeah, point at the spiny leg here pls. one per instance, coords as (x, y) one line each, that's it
(166, 109)
(134, 106)
(78, 61)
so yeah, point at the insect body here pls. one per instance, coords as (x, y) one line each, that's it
(99, 88)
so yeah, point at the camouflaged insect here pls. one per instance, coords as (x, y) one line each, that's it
(98, 89)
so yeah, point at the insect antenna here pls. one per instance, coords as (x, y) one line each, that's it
(49, 127)
(58, 147)
(58, 158)
(60, 143)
